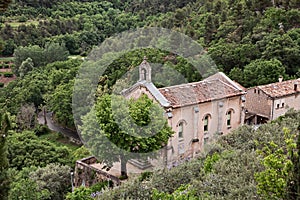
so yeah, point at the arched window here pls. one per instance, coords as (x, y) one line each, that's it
(144, 74)
(206, 119)
(181, 126)
(229, 117)
(180, 130)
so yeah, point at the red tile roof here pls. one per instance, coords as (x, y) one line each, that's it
(280, 89)
(214, 87)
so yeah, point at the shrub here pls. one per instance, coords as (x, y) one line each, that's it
(22, 18)
(1, 84)
(41, 130)
(6, 66)
(8, 74)
(80, 193)
(167, 181)
(88, 193)
(123, 177)
(145, 176)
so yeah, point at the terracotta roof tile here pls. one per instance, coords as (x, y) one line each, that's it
(203, 91)
(280, 89)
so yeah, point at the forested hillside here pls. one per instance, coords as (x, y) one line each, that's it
(45, 42)
(239, 35)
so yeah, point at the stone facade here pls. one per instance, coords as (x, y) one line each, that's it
(268, 102)
(197, 112)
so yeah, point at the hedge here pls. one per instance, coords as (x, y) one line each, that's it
(8, 74)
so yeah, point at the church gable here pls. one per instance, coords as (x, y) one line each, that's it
(145, 86)
(145, 71)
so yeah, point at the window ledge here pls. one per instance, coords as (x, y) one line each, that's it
(195, 140)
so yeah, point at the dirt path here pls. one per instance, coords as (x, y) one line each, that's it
(56, 127)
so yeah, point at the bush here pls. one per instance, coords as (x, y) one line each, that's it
(164, 181)
(80, 193)
(123, 177)
(6, 66)
(99, 186)
(41, 130)
(1, 84)
(145, 176)
(22, 18)
(8, 74)
(88, 193)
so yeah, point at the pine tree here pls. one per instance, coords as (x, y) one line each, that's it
(4, 182)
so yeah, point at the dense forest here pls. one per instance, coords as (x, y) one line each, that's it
(253, 42)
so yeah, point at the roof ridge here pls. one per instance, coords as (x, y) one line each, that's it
(231, 81)
(278, 83)
(191, 83)
(229, 85)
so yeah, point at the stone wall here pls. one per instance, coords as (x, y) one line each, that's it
(258, 102)
(87, 175)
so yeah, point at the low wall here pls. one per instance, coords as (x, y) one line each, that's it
(87, 175)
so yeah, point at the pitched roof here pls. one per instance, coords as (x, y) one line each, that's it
(217, 86)
(151, 88)
(280, 89)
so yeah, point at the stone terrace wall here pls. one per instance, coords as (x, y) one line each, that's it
(87, 175)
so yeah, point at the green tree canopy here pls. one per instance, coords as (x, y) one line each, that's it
(40, 56)
(25, 149)
(259, 72)
(5, 125)
(129, 129)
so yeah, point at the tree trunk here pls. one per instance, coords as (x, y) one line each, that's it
(123, 167)
(45, 115)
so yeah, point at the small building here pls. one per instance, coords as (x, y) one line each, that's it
(267, 102)
(197, 111)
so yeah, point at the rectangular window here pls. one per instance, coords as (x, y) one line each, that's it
(205, 123)
(229, 118)
(180, 130)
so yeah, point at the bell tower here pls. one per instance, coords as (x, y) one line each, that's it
(145, 71)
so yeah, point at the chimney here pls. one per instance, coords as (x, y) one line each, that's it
(280, 79)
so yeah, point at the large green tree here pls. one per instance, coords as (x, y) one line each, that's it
(49, 182)
(40, 56)
(60, 102)
(4, 181)
(259, 72)
(128, 129)
(26, 149)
